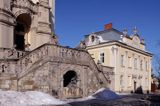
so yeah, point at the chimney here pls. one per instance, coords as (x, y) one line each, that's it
(108, 26)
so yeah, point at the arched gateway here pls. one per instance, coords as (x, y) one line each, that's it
(21, 30)
(70, 85)
(70, 79)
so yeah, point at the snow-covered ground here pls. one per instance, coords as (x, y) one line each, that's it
(102, 94)
(105, 94)
(35, 98)
(30, 98)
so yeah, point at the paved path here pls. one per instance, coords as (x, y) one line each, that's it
(126, 100)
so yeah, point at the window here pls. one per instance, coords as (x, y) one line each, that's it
(135, 63)
(141, 65)
(122, 60)
(147, 81)
(129, 81)
(146, 65)
(102, 57)
(121, 80)
(129, 62)
(92, 38)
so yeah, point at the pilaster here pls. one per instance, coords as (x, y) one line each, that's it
(6, 24)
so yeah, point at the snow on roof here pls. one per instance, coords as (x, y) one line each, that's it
(29, 98)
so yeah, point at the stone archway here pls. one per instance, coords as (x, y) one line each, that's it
(70, 87)
(69, 78)
(23, 22)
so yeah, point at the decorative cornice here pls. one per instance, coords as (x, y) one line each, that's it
(25, 4)
(120, 44)
(43, 32)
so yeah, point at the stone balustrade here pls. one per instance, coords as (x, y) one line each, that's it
(48, 53)
(6, 54)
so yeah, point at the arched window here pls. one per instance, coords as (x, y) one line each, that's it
(23, 22)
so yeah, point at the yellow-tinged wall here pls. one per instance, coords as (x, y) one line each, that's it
(126, 71)
(95, 53)
(113, 59)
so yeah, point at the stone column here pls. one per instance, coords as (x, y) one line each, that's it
(126, 71)
(6, 24)
(116, 84)
(149, 72)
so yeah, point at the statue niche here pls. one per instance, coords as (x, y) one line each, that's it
(21, 30)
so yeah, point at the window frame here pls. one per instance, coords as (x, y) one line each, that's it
(102, 57)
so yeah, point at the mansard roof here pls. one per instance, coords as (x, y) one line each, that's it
(109, 34)
(113, 34)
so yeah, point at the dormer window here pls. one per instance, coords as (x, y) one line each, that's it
(92, 38)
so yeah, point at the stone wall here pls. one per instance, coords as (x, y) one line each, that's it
(45, 69)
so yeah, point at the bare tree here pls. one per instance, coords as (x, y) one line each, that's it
(157, 69)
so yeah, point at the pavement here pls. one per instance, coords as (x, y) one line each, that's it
(125, 100)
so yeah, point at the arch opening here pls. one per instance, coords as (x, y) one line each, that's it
(21, 30)
(69, 78)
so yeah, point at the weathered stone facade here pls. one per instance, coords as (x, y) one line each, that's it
(44, 69)
(37, 62)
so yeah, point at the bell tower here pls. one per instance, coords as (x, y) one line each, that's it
(45, 23)
(6, 24)
(27, 24)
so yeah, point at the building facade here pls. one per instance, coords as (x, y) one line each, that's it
(127, 56)
(31, 59)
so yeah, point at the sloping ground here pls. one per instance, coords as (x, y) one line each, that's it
(103, 97)
(30, 98)
(35, 98)
(105, 94)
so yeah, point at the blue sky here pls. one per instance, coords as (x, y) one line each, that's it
(76, 18)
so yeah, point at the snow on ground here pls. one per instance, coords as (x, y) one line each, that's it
(102, 94)
(30, 98)
(35, 98)
(105, 94)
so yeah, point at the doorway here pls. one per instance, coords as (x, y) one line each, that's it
(135, 85)
(69, 78)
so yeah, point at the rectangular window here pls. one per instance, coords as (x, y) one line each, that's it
(141, 65)
(147, 81)
(146, 67)
(122, 60)
(129, 62)
(135, 63)
(129, 81)
(102, 57)
(121, 80)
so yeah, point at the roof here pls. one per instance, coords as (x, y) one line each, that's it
(110, 34)
(112, 29)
